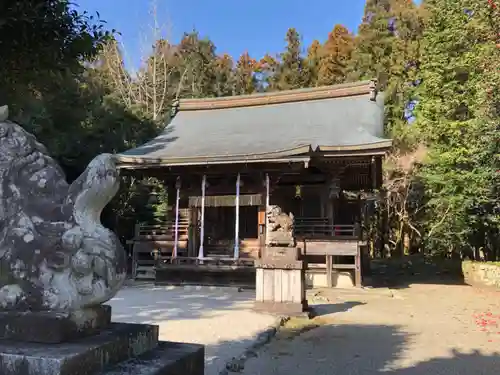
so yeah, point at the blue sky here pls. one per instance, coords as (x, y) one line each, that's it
(258, 26)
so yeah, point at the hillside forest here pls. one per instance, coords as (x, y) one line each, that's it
(62, 73)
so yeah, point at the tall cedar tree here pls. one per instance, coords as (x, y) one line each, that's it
(372, 54)
(407, 25)
(457, 115)
(335, 55)
(313, 61)
(292, 72)
(387, 47)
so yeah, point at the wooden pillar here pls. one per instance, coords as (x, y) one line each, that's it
(176, 227)
(201, 253)
(329, 270)
(373, 167)
(237, 219)
(261, 219)
(267, 207)
(357, 269)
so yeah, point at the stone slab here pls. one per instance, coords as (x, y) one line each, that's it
(283, 264)
(87, 356)
(282, 308)
(53, 327)
(169, 358)
(279, 252)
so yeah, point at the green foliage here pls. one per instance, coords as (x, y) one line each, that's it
(457, 117)
(291, 73)
(41, 38)
(373, 44)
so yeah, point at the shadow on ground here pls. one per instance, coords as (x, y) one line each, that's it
(333, 308)
(357, 350)
(146, 302)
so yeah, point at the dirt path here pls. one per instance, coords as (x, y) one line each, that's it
(219, 318)
(424, 329)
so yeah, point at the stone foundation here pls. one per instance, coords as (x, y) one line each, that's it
(117, 349)
(481, 273)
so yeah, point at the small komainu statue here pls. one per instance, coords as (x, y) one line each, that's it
(54, 252)
(280, 231)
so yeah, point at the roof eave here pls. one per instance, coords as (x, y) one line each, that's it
(382, 146)
(145, 163)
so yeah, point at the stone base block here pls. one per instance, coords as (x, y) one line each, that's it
(341, 280)
(168, 358)
(52, 327)
(87, 356)
(282, 308)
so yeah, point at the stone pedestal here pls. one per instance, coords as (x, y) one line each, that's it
(59, 344)
(280, 282)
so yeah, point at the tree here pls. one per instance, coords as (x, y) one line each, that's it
(196, 66)
(403, 75)
(373, 44)
(244, 75)
(335, 55)
(457, 116)
(224, 76)
(313, 62)
(291, 73)
(40, 40)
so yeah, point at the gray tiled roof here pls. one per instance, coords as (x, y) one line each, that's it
(267, 131)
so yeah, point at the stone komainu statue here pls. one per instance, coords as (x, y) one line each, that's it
(280, 231)
(54, 252)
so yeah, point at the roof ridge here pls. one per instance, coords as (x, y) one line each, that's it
(278, 97)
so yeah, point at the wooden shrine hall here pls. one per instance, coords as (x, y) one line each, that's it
(244, 172)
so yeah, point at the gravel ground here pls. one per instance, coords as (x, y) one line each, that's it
(219, 318)
(422, 329)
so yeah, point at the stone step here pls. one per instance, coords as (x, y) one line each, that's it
(169, 358)
(87, 356)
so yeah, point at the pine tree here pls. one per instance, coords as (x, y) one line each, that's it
(334, 56)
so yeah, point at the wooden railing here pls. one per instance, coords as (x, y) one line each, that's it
(318, 227)
(162, 230)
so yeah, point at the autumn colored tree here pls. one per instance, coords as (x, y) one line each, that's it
(335, 55)
(265, 72)
(245, 81)
(224, 76)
